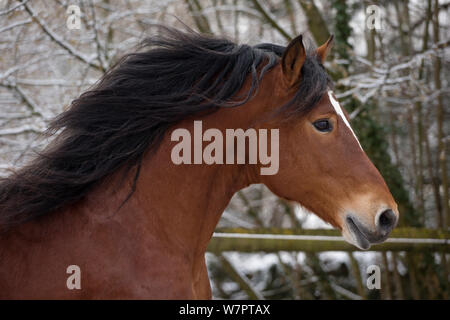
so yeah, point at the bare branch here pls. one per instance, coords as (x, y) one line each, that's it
(13, 8)
(27, 100)
(14, 25)
(272, 20)
(71, 50)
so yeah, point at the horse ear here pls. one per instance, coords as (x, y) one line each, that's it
(292, 61)
(324, 49)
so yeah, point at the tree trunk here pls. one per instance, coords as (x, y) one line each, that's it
(357, 275)
(397, 278)
(412, 276)
(387, 291)
(316, 25)
(200, 20)
(440, 119)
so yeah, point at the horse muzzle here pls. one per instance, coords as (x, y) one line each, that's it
(362, 236)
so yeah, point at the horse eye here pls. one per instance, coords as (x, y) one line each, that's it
(323, 125)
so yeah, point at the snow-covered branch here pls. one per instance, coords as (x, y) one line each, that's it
(63, 44)
(9, 10)
(16, 24)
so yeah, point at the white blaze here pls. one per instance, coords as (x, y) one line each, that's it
(339, 111)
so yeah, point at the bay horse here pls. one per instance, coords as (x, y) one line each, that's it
(105, 196)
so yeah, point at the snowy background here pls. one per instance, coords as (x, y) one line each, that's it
(382, 75)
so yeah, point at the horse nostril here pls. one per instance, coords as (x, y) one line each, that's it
(387, 220)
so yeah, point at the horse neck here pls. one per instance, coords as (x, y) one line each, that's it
(186, 201)
(175, 207)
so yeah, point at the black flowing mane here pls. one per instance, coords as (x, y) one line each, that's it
(173, 75)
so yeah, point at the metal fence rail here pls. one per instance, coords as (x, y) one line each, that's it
(317, 240)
